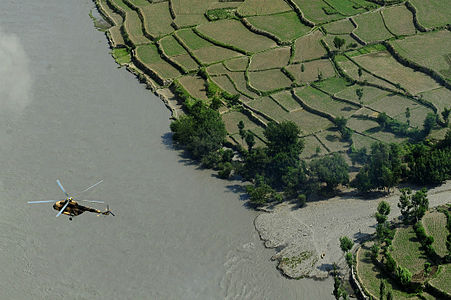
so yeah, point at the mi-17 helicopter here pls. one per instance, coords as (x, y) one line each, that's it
(70, 207)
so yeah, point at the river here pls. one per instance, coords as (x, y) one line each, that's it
(68, 113)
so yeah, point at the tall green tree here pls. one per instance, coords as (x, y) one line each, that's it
(200, 132)
(332, 170)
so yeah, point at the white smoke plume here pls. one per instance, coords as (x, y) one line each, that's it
(15, 79)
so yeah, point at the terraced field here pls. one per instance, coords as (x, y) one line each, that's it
(299, 60)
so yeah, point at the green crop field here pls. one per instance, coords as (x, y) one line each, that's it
(308, 122)
(371, 27)
(186, 61)
(443, 279)
(435, 224)
(315, 11)
(269, 107)
(286, 100)
(285, 26)
(192, 40)
(339, 27)
(171, 47)
(439, 97)
(311, 144)
(217, 69)
(157, 19)
(332, 85)
(312, 70)
(399, 20)
(237, 64)
(263, 7)
(195, 86)
(224, 83)
(407, 250)
(432, 13)
(241, 38)
(213, 54)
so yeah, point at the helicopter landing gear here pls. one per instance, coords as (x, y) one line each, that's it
(70, 218)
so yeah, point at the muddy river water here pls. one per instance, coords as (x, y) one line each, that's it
(67, 112)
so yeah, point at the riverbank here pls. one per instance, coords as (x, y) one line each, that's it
(306, 239)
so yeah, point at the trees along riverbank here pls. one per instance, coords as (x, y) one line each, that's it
(277, 172)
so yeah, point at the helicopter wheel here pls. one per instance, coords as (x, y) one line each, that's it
(70, 218)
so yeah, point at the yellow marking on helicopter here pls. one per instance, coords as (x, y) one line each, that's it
(71, 207)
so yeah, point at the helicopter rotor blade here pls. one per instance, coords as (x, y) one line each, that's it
(61, 187)
(85, 190)
(93, 201)
(62, 209)
(42, 201)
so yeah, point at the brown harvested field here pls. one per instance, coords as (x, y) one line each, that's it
(417, 116)
(384, 65)
(212, 54)
(309, 47)
(183, 21)
(432, 13)
(443, 279)
(165, 70)
(313, 11)
(195, 85)
(435, 224)
(269, 80)
(132, 23)
(369, 94)
(371, 27)
(224, 83)
(399, 20)
(186, 61)
(114, 16)
(157, 18)
(441, 98)
(217, 69)
(349, 40)
(240, 82)
(262, 7)
(311, 70)
(361, 141)
(116, 35)
(307, 122)
(332, 139)
(310, 145)
(285, 26)
(352, 69)
(394, 105)
(387, 137)
(233, 33)
(274, 58)
(432, 50)
(323, 102)
(171, 47)
(232, 118)
(361, 125)
(269, 107)
(191, 7)
(339, 27)
(237, 64)
(286, 100)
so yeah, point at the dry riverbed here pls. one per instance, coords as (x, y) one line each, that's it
(306, 239)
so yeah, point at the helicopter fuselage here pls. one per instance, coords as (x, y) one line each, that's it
(73, 208)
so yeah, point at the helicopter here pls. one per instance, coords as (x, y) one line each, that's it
(70, 207)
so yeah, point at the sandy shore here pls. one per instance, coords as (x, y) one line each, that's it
(302, 236)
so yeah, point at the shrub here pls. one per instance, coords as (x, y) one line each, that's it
(349, 258)
(403, 275)
(226, 170)
(390, 262)
(301, 199)
(346, 243)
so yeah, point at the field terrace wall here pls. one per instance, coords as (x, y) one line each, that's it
(267, 34)
(415, 18)
(300, 14)
(437, 292)
(405, 62)
(141, 17)
(166, 58)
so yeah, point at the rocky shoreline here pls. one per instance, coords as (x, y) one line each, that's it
(306, 240)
